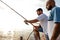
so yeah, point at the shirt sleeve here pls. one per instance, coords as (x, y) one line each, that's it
(40, 17)
(57, 15)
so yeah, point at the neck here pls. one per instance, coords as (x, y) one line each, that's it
(53, 6)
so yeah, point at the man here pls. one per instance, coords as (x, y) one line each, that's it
(55, 17)
(42, 18)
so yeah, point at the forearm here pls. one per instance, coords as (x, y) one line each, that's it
(33, 21)
(56, 31)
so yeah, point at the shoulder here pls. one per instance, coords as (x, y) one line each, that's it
(43, 16)
(56, 8)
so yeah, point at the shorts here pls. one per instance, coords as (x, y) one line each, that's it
(40, 29)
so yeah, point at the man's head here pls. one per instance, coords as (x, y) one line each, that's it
(50, 4)
(39, 11)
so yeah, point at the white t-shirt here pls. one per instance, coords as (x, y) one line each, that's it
(43, 22)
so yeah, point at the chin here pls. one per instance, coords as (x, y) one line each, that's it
(38, 14)
(49, 9)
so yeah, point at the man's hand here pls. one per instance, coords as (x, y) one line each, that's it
(26, 22)
(36, 27)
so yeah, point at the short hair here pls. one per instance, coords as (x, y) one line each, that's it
(39, 9)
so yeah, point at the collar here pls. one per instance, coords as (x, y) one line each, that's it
(53, 8)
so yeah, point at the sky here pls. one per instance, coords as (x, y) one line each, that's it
(10, 21)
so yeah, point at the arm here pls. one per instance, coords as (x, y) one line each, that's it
(56, 30)
(31, 21)
(40, 17)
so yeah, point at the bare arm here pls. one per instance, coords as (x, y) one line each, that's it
(56, 31)
(31, 21)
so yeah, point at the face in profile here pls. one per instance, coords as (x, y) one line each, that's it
(39, 12)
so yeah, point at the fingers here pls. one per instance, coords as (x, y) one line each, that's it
(36, 27)
(26, 22)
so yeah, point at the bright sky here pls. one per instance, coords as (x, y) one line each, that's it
(10, 21)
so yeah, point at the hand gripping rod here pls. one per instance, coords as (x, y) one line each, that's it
(15, 11)
(18, 14)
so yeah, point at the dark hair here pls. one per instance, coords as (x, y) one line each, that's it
(39, 9)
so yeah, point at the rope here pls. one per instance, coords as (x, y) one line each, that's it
(30, 35)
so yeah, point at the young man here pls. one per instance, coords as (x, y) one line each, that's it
(42, 18)
(55, 17)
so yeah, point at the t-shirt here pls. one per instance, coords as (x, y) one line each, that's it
(55, 14)
(53, 17)
(43, 19)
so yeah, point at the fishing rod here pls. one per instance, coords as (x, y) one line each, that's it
(19, 15)
(15, 11)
